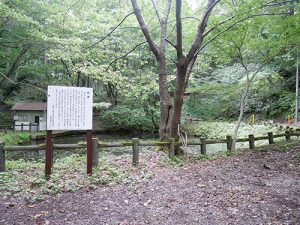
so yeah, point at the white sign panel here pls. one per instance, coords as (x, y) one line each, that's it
(69, 108)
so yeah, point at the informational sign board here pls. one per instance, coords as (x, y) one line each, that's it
(69, 108)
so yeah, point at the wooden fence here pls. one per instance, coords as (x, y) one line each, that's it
(135, 143)
(6, 128)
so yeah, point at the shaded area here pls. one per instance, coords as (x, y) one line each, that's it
(254, 188)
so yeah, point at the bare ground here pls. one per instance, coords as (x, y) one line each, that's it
(253, 188)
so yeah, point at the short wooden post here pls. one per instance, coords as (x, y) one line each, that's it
(5, 131)
(203, 146)
(48, 154)
(229, 142)
(288, 135)
(89, 152)
(251, 141)
(135, 151)
(95, 152)
(271, 140)
(29, 127)
(2, 157)
(172, 147)
(22, 127)
(37, 127)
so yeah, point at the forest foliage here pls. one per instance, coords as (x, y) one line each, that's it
(99, 44)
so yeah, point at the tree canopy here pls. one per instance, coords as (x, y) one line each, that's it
(140, 56)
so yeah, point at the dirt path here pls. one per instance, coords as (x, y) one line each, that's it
(255, 188)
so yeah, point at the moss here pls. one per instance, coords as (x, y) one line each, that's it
(126, 143)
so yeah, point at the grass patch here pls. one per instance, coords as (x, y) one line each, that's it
(219, 130)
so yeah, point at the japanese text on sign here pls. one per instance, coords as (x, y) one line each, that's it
(69, 108)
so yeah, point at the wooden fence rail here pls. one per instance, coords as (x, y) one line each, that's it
(136, 144)
(22, 126)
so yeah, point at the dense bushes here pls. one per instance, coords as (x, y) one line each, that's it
(125, 117)
(268, 98)
(17, 138)
(6, 117)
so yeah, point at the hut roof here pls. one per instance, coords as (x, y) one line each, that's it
(30, 106)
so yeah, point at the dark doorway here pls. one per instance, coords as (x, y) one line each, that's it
(37, 119)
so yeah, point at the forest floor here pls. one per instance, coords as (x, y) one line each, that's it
(256, 187)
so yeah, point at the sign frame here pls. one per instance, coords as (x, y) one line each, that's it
(62, 101)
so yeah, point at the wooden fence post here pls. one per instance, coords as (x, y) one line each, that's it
(5, 131)
(288, 135)
(229, 142)
(29, 127)
(2, 157)
(135, 151)
(271, 140)
(95, 152)
(251, 141)
(203, 146)
(172, 147)
(22, 127)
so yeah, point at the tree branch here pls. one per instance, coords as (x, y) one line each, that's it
(9, 46)
(123, 56)
(66, 67)
(144, 28)
(163, 26)
(234, 24)
(260, 7)
(154, 3)
(109, 33)
(191, 17)
(68, 9)
(201, 28)
(15, 64)
(279, 3)
(171, 44)
(178, 29)
(30, 85)
(213, 28)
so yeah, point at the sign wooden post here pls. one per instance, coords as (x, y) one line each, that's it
(48, 154)
(89, 155)
(69, 108)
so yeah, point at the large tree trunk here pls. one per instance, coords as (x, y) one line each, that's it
(164, 98)
(178, 99)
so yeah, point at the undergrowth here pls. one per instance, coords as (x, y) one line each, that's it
(25, 179)
(219, 130)
(16, 138)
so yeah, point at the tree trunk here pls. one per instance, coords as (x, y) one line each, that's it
(178, 100)
(164, 98)
(238, 124)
